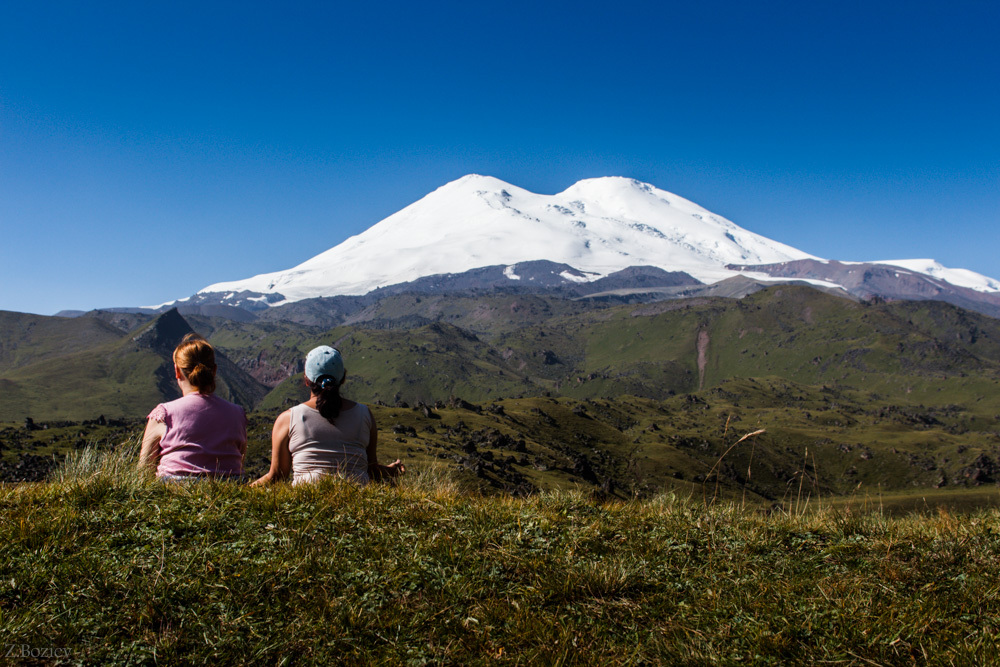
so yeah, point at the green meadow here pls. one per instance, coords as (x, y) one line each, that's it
(115, 568)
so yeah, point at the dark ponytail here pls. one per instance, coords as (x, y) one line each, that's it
(327, 393)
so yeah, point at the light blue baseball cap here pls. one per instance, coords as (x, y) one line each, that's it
(324, 360)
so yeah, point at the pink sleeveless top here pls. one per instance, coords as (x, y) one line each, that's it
(206, 435)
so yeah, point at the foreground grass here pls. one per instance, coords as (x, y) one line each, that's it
(118, 569)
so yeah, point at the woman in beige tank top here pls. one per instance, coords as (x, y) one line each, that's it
(327, 435)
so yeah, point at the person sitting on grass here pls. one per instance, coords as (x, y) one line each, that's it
(327, 435)
(198, 434)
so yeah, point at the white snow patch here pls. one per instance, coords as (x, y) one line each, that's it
(766, 278)
(960, 277)
(573, 278)
(172, 302)
(509, 272)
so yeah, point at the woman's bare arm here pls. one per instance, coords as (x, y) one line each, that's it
(281, 457)
(378, 472)
(149, 453)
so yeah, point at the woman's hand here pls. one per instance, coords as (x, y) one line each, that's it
(395, 469)
(380, 473)
(264, 480)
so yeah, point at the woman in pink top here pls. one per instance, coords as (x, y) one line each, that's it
(327, 436)
(199, 434)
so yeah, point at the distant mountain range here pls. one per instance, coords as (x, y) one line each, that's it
(600, 236)
(426, 346)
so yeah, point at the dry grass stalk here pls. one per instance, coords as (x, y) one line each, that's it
(717, 463)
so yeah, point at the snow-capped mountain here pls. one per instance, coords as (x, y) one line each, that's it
(959, 277)
(597, 226)
(479, 230)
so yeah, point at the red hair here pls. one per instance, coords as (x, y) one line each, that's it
(195, 357)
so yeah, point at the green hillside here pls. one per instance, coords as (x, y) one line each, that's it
(115, 374)
(623, 400)
(113, 379)
(487, 315)
(26, 339)
(816, 442)
(108, 568)
(425, 349)
(665, 348)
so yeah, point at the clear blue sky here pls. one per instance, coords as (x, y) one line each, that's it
(150, 149)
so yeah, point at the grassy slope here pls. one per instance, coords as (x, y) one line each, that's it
(29, 339)
(430, 363)
(653, 350)
(106, 372)
(822, 440)
(488, 316)
(116, 569)
(887, 395)
(119, 379)
(271, 351)
(524, 346)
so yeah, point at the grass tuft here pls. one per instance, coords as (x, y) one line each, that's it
(91, 463)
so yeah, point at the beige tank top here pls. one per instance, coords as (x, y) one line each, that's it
(319, 448)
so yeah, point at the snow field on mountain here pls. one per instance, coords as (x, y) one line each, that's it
(597, 225)
(960, 277)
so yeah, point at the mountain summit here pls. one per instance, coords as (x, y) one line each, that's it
(597, 226)
(481, 230)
